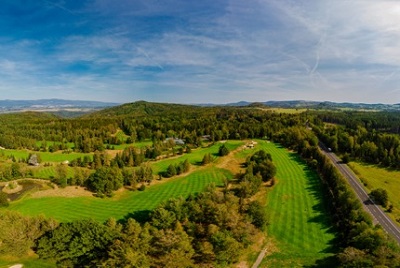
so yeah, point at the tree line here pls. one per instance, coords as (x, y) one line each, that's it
(369, 137)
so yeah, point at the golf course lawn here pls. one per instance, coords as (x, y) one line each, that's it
(127, 204)
(300, 230)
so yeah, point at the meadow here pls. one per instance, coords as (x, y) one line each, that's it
(374, 177)
(300, 226)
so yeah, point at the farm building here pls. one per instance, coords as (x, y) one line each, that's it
(176, 140)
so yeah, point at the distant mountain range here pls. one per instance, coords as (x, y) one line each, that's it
(80, 106)
(52, 105)
(318, 105)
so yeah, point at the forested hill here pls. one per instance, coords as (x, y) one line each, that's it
(143, 108)
(23, 117)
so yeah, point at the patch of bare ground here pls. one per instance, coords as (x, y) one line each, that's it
(69, 191)
(230, 163)
(113, 153)
(17, 266)
(12, 187)
(242, 264)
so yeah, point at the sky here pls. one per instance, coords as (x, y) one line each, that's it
(208, 51)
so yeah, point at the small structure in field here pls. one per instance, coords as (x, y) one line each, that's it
(206, 138)
(33, 160)
(175, 140)
(251, 144)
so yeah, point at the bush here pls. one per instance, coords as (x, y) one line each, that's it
(142, 187)
(4, 199)
(223, 150)
(380, 196)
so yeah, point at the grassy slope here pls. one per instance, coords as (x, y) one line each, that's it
(128, 204)
(375, 177)
(299, 221)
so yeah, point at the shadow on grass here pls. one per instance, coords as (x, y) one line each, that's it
(317, 189)
(327, 262)
(141, 216)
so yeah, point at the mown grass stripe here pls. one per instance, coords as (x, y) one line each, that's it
(299, 221)
(68, 209)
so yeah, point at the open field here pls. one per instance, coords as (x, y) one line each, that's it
(195, 157)
(45, 156)
(286, 110)
(139, 144)
(50, 172)
(300, 226)
(374, 177)
(125, 204)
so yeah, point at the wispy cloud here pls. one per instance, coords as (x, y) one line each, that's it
(204, 51)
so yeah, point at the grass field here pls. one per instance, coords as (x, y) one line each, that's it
(125, 205)
(195, 157)
(50, 172)
(300, 226)
(139, 144)
(375, 177)
(32, 262)
(45, 156)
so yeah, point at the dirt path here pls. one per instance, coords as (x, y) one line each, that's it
(260, 258)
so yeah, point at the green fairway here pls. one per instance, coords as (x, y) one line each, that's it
(45, 156)
(300, 226)
(129, 204)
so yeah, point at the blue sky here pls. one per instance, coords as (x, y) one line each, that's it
(209, 51)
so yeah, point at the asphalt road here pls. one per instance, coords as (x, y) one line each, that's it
(376, 212)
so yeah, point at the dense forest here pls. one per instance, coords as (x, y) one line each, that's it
(372, 137)
(213, 227)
